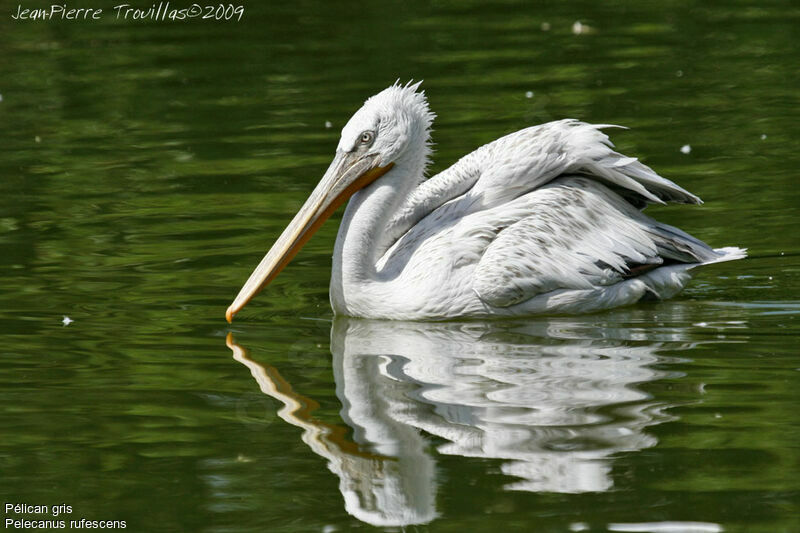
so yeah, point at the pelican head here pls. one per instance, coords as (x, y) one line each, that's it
(391, 128)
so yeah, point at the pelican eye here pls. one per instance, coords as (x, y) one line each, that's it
(367, 137)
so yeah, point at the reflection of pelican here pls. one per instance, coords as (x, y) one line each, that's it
(386, 490)
(554, 401)
(522, 395)
(546, 219)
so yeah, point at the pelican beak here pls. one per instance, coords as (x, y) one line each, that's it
(348, 172)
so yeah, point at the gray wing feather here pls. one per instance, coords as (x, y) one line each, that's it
(575, 234)
(520, 162)
(532, 244)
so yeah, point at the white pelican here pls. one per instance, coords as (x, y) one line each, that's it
(544, 220)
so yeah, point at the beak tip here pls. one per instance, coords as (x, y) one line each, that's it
(229, 315)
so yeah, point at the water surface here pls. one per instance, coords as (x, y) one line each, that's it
(147, 166)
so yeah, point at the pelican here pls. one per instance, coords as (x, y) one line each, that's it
(545, 220)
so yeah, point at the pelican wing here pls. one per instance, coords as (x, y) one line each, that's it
(547, 207)
(574, 233)
(522, 161)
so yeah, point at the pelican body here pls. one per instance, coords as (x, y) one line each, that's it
(544, 220)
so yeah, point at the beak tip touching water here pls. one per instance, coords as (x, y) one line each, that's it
(348, 173)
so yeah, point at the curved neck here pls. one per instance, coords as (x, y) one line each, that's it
(363, 237)
(363, 234)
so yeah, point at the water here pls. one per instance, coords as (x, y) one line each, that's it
(147, 166)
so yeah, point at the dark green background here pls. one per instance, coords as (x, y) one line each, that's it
(145, 167)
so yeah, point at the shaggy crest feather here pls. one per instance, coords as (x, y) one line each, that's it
(403, 109)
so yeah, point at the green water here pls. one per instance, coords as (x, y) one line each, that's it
(146, 166)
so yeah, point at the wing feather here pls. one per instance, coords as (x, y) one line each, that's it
(575, 233)
(520, 162)
(529, 234)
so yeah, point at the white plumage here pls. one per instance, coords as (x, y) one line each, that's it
(544, 220)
